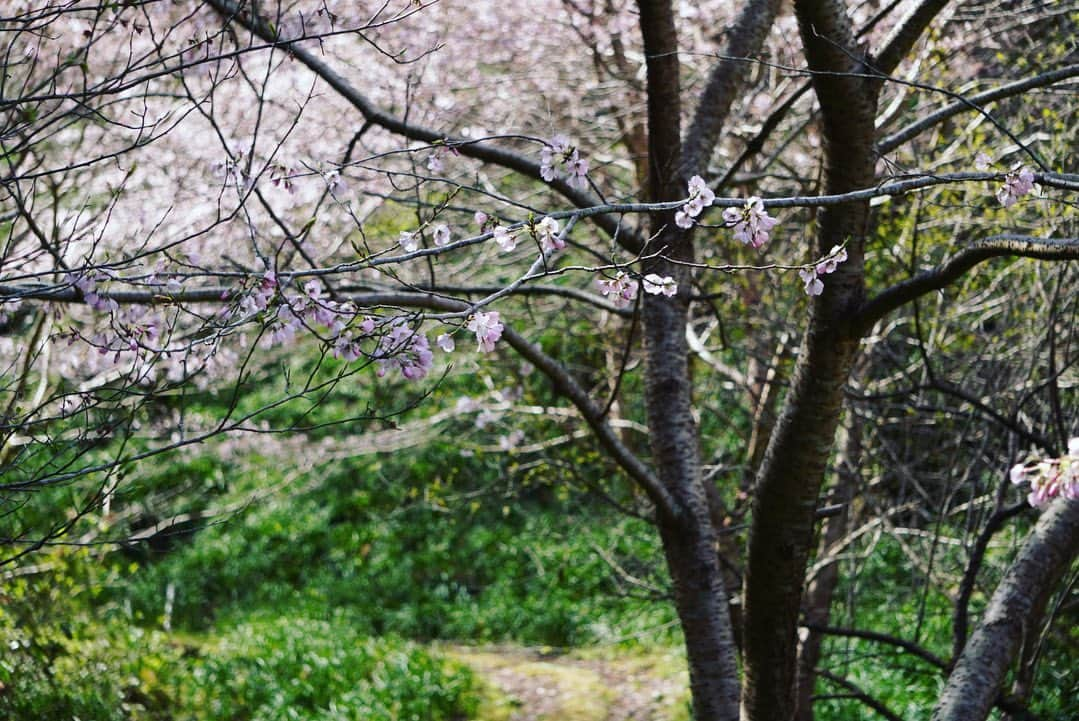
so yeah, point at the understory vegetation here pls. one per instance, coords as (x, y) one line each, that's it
(276, 584)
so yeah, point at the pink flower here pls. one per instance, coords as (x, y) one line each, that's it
(622, 289)
(506, 241)
(406, 349)
(547, 233)
(1016, 184)
(560, 153)
(409, 241)
(836, 255)
(578, 171)
(1051, 477)
(751, 223)
(442, 235)
(700, 197)
(813, 284)
(488, 329)
(434, 161)
(511, 441)
(660, 285)
(445, 342)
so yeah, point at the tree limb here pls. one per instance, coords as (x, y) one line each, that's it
(857, 692)
(890, 142)
(905, 34)
(909, 647)
(951, 270)
(725, 81)
(1015, 610)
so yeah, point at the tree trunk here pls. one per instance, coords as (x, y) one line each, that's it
(789, 480)
(1015, 611)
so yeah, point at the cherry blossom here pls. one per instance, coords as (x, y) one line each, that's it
(442, 235)
(836, 255)
(1050, 477)
(445, 342)
(434, 161)
(87, 285)
(559, 153)
(700, 197)
(488, 329)
(506, 240)
(622, 289)
(512, 440)
(660, 285)
(811, 276)
(1016, 184)
(813, 284)
(406, 349)
(751, 223)
(547, 233)
(409, 241)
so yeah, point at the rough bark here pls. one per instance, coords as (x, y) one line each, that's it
(725, 80)
(1015, 611)
(817, 605)
(789, 480)
(689, 541)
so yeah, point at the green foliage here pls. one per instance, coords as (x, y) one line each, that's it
(308, 670)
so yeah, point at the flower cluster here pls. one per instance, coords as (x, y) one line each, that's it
(660, 285)
(811, 276)
(559, 153)
(1051, 477)
(1017, 183)
(751, 223)
(488, 329)
(259, 297)
(406, 349)
(621, 289)
(281, 176)
(700, 197)
(87, 285)
(547, 234)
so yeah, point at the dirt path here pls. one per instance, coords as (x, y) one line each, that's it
(531, 685)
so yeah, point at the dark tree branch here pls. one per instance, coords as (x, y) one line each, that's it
(970, 573)
(857, 692)
(1015, 611)
(951, 270)
(905, 34)
(890, 142)
(725, 81)
(908, 646)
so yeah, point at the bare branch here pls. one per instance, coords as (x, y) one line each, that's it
(911, 648)
(951, 270)
(974, 102)
(725, 81)
(858, 693)
(905, 34)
